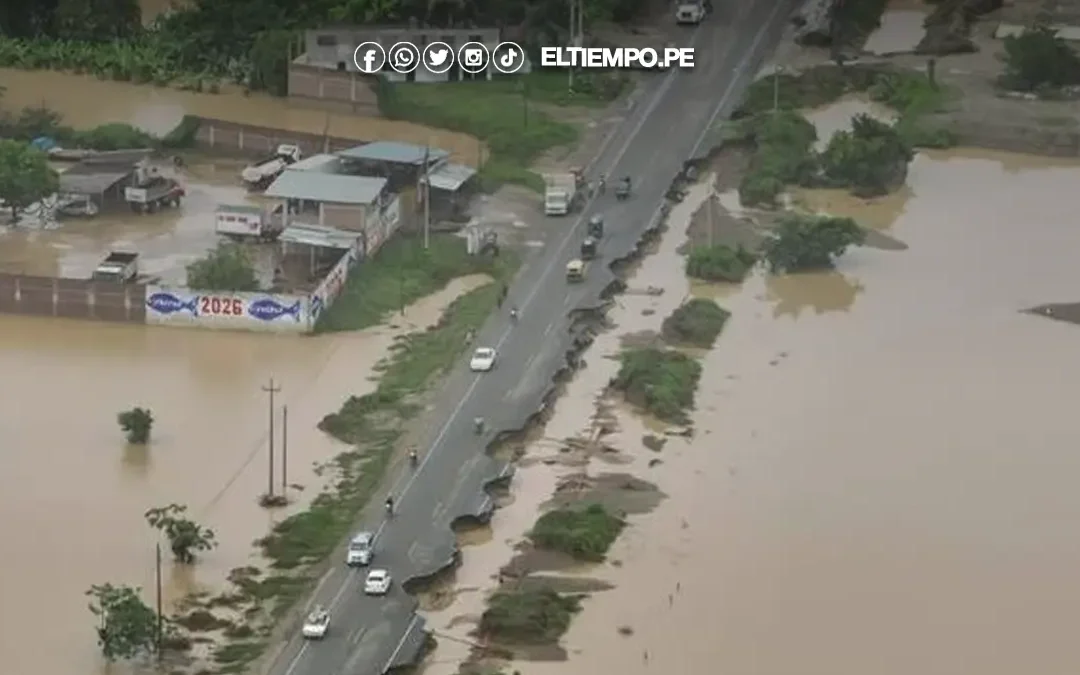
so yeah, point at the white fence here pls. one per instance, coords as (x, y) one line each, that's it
(267, 312)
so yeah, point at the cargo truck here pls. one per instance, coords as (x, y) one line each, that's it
(560, 193)
(260, 174)
(241, 222)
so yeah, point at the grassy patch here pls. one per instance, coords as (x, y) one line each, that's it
(533, 616)
(660, 381)
(585, 534)
(401, 273)
(697, 322)
(591, 89)
(515, 132)
(719, 263)
(857, 19)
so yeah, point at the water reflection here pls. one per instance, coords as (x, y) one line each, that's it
(821, 292)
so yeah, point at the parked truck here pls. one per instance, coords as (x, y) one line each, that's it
(259, 175)
(690, 12)
(249, 222)
(118, 268)
(560, 193)
(150, 191)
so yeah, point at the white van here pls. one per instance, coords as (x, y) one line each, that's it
(361, 549)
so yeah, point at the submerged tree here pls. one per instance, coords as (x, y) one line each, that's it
(25, 176)
(136, 424)
(185, 535)
(226, 268)
(127, 627)
(801, 243)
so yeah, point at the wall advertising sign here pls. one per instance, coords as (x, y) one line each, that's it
(330, 287)
(272, 312)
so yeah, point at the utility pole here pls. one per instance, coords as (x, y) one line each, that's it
(271, 390)
(776, 89)
(425, 183)
(160, 613)
(284, 449)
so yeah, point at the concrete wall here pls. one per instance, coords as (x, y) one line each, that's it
(264, 312)
(73, 298)
(248, 139)
(346, 91)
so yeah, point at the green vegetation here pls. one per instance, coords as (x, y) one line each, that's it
(136, 425)
(25, 176)
(871, 159)
(697, 323)
(719, 263)
(864, 159)
(127, 627)
(528, 616)
(660, 381)
(1039, 60)
(584, 533)
(185, 536)
(226, 268)
(802, 243)
(855, 20)
(402, 273)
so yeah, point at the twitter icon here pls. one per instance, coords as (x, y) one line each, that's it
(438, 57)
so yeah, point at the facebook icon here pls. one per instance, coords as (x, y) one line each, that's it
(369, 57)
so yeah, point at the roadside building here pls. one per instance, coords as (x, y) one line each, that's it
(360, 205)
(405, 165)
(326, 72)
(102, 178)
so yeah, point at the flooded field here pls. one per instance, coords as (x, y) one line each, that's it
(167, 241)
(158, 110)
(72, 493)
(882, 473)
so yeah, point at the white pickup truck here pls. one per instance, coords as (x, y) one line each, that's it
(242, 222)
(560, 193)
(689, 12)
(118, 267)
(260, 174)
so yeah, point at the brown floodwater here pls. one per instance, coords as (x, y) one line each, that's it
(72, 493)
(882, 476)
(158, 110)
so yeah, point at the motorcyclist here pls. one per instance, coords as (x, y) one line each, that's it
(413, 457)
(478, 424)
(603, 183)
(514, 313)
(390, 505)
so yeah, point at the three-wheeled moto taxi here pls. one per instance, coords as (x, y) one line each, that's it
(588, 248)
(575, 271)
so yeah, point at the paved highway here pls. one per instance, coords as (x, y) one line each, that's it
(371, 635)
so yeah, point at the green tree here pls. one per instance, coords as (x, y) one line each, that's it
(136, 424)
(185, 536)
(1039, 58)
(226, 268)
(870, 158)
(127, 627)
(719, 263)
(802, 243)
(25, 176)
(98, 20)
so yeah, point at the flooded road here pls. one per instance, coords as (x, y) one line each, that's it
(72, 493)
(882, 476)
(158, 110)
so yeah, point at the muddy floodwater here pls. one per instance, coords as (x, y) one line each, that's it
(158, 110)
(883, 473)
(72, 493)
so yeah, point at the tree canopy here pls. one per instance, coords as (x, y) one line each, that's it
(226, 268)
(804, 243)
(185, 535)
(127, 627)
(25, 176)
(1040, 58)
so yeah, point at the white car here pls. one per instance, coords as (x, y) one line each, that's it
(316, 623)
(360, 549)
(377, 582)
(483, 360)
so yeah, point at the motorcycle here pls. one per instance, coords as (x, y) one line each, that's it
(622, 191)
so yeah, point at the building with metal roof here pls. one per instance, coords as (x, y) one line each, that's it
(319, 163)
(394, 153)
(331, 188)
(451, 177)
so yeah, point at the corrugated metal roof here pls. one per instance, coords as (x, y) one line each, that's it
(392, 151)
(326, 187)
(450, 176)
(318, 235)
(79, 180)
(324, 163)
